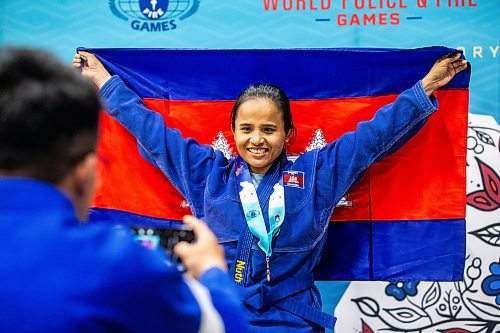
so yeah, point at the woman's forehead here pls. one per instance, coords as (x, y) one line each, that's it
(263, 109)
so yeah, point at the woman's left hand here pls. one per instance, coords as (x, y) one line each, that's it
(444, 69)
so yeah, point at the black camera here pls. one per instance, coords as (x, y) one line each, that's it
(154, 237)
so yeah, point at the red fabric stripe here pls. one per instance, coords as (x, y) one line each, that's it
(427, 176)
(423, 180)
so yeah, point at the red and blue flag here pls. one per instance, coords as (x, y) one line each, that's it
(404, 220)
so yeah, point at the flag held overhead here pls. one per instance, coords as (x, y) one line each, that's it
(405, 218)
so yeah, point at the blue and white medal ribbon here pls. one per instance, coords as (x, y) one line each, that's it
(253, 210)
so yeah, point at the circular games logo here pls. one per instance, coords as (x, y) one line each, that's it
(153, 15)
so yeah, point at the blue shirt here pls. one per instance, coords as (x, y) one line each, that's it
(58, 275)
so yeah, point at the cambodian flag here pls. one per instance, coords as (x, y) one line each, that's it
(405, 219)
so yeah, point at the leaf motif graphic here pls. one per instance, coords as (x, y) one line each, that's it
(458, 286)
(431, 296)
(456, 330)
(481, 201)
(485, 137)
(404, 315)
(365, 328)
(484, 310)
(368, 306)
(491, 181)
(489, 234)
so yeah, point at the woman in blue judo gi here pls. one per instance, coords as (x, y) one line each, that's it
(270, 214)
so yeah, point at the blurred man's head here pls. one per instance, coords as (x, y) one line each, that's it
(48, 123)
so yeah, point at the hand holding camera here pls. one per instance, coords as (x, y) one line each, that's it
(204, 253)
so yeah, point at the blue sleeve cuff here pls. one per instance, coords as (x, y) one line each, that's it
(109, 86)
(428, 104)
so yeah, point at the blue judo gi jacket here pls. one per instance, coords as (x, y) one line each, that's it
(289, 302)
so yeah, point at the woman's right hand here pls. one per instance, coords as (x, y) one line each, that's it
(92, 68)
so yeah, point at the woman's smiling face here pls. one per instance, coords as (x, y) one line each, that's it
(259, 133)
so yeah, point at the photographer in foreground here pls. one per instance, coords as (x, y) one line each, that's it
(59, 275)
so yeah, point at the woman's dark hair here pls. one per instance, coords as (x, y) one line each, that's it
(269, 92)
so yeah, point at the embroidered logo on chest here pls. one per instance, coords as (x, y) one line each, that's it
(293, 179)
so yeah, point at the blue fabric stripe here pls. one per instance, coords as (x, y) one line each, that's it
(398, 251)
(353, 263)
(129, 219)
(214, 75)
(394, 254)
